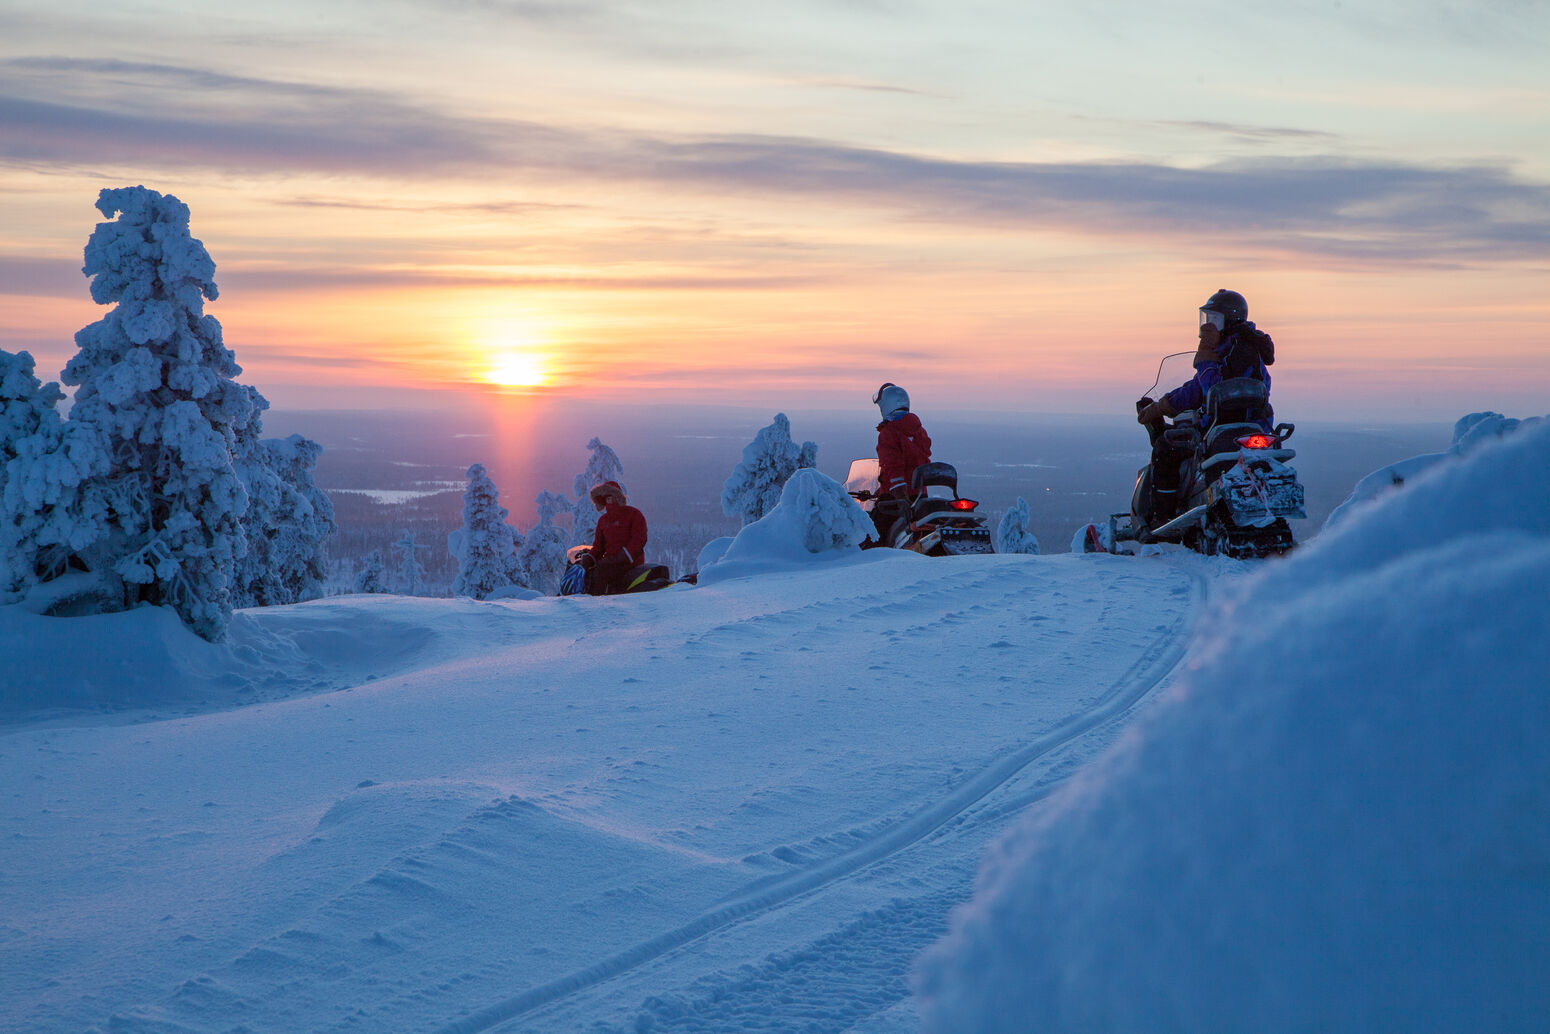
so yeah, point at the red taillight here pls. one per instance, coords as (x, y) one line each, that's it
(963, 504)
(1258, 441)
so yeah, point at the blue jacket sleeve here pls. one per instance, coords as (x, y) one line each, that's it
(1192, 394)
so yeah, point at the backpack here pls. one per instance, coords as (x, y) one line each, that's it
(1252, 350)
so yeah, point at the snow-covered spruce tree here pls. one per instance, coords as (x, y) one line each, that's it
(155, 382)
(541, 555)
(768, 462)
(602, 465)
(287, 519)
(41, 465)
(371, 577)
(303, 556)
(485, 546)
(411, 573)
(1012, 534)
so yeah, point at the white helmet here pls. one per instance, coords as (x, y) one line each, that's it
(891, 398)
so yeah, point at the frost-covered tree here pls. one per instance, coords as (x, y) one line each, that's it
(290, 537)
(287, 520)
(602, 465)
(371, 577)
(485, 546)
(768, 462)
(1012, 534)
(42, 464)
(155, 386)
(814, 515)
(541, 555)
(411, 573)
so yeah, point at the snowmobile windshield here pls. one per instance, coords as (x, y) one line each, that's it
(1172, 371)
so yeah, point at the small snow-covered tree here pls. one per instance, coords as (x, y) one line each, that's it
(602, 465)
(287, 520)
(42, 463)
(541, 555)
(1012, 534)
(768, 462)
(485, 546)
(156, 385)
(296, 544)
(371, 577)
(411, 573)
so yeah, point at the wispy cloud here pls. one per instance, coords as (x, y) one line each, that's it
(1262, 134)
(30, 276)
(477, 208)
(1391, 211)
(302, 279)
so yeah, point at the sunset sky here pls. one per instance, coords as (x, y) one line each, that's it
(1001, 204)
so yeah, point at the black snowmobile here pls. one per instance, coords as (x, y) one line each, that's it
(937, 521)
(578, 571)
(1235, 487)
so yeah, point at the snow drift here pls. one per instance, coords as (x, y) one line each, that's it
(1339, 819)
(1468, 432)
(814, 522)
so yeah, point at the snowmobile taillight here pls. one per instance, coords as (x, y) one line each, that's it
(964, 504)
(1258, 441)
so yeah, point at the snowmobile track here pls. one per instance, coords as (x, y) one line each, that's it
(1150, 669)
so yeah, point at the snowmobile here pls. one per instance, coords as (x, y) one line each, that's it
(1236, 489)
(936, 520)
(579, 564)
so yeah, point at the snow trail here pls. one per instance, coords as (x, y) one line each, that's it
(548, 805)
(1144, 675)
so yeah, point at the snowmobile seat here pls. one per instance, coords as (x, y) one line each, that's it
(935, 486)
(935, 481)
(648, 578)
(1237, 400)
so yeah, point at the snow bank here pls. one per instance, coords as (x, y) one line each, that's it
(146, 658)
(1468, 432)
(814, 522)
(1339, 820)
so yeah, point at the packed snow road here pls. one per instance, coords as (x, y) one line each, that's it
(734, 807)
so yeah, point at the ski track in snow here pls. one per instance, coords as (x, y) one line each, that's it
(442, 921)
(865, 948)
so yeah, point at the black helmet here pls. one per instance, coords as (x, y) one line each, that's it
(1229, 303)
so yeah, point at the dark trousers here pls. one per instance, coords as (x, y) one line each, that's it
(885, 514)
(609, 575)
(1166, 461)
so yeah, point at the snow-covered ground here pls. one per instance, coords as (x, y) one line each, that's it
(1310, 793)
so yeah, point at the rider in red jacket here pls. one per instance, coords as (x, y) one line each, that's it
(902, 443)
(620, 542)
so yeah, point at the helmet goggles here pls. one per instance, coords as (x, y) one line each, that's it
(877, 396)
(1216, 319)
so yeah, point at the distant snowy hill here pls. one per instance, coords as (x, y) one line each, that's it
(1307, 793)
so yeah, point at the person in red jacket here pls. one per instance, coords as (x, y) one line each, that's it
(620, 542)
(902, 445)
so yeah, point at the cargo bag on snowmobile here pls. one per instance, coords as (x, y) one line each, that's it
(1257, 493)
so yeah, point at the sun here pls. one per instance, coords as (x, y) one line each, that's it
(517, 369)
